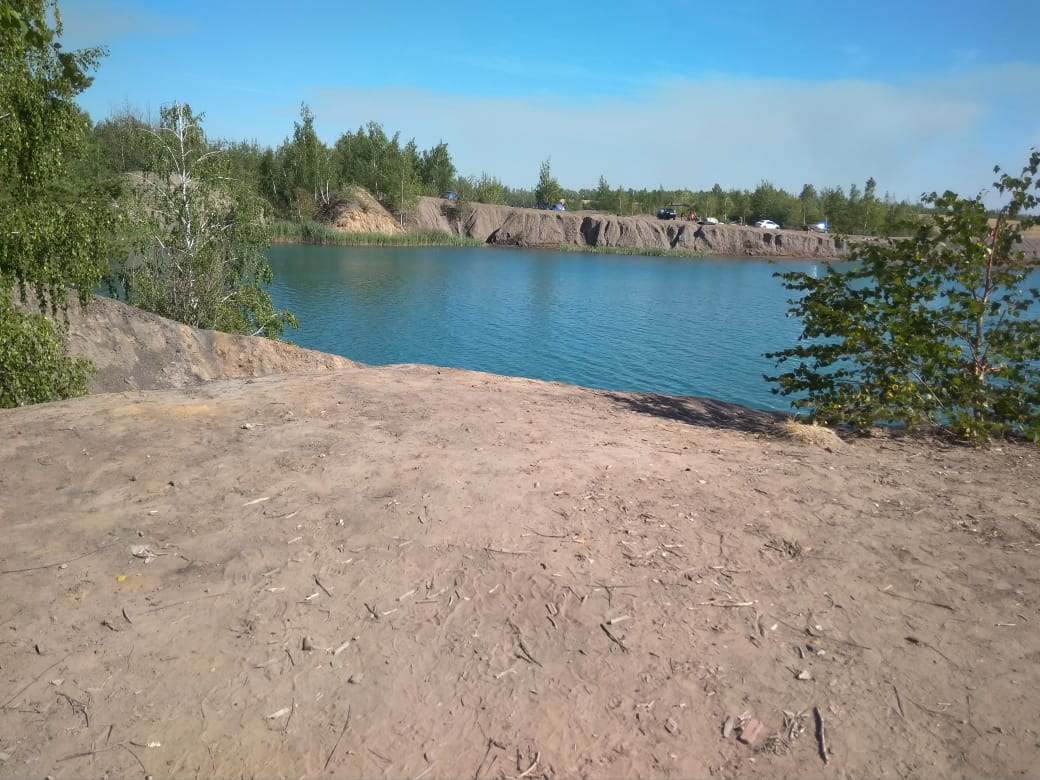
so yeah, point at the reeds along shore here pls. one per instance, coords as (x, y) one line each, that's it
(310, 232)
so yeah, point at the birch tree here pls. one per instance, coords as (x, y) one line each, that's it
(53, 235)
(198, 236)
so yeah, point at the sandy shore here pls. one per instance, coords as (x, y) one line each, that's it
(422, 573)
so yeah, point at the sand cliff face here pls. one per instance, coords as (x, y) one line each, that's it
(355, 211)
(522, 227)
(136, 350)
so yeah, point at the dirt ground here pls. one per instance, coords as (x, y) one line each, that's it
(409, 572)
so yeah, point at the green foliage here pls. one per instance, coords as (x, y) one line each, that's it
(309, 232)
(117, 146)
(437, 170)
(34, 366)
(197, 236)
(371, 159)
(53, 234)
(934, 329)
(603, 198)
(486, 189)
(548, 190)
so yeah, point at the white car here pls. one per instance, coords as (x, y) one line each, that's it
(768, 224)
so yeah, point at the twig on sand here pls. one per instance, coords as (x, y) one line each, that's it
(921, 643)
(136, 758)
(319, 584)
(613, 638)
(888, 592)
(821, 736)
(610, 591)
(292, 709)
(340, 737)
(32, 682)
(524, 653)
(187, 601)
(78, 707)
(530, 769)
(821, 636)
(372, 611)
(490, 550)
(58, 563)
(480, 767)
(548, 536)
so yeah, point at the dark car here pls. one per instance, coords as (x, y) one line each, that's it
(666, 213)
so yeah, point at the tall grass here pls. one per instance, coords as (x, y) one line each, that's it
(647, 251)
(309, 232)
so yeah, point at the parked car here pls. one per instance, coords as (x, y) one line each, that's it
(707, 221)
(666, 213)
(768, 224)
(450, 196)
(817, 227)
(559, 207)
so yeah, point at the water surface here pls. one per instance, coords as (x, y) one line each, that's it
(660, 325)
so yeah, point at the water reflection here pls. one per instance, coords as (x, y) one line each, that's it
(658, 325)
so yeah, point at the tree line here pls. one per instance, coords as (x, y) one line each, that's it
(303, 175)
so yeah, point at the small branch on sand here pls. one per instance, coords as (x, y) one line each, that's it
(613, 638)
(506, 552)
(888, 592)
(549, 536)
(332, 752)
(318, 583)
(821, 736)
(524, 654)
(58, 563)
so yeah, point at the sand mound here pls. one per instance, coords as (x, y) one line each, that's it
(136, 350)
(355, 211)
(814, 435)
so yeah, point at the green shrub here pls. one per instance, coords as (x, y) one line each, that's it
(34, 366)
(936, 329)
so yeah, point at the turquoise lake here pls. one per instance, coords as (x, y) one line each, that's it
(646, 324)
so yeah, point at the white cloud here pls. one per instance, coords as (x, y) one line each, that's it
(911, 138)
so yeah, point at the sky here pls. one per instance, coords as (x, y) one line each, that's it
(921, 95)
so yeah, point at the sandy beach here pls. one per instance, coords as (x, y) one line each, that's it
(428, 573)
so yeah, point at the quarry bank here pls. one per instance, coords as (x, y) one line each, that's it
(533, 228)
(528, 228)
(509, 226)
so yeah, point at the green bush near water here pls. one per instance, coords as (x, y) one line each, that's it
(937, 329)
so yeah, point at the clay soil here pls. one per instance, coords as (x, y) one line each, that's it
(409, 572)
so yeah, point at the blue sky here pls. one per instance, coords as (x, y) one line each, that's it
(921, 95)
